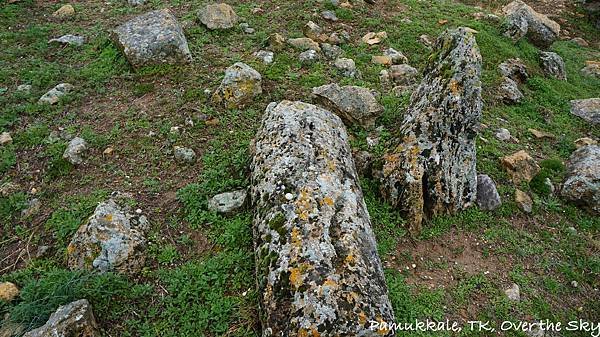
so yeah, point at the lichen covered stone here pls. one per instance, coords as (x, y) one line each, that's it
(239, 86)
(355, 105)
(153, 38)
(524, 21)
(582, 185)
(317, 265)
(73, 319)
(430, 168)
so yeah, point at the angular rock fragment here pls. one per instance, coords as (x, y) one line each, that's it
(514, 69)
(228, 203)
(184, 154)
(588, 109)
(317, 265)
(355, 105)
(553, 65)
(308, 57)
(331, 52)
(74, 40)
(151, 39)
(523, 201)
(53, 96)
(304, 43)
(520, 166)
(582, 183)
(5, 138)
(523, 21)
(265, 56)
(312, 31)
(112, 239)
(218, 16)
(239, 86)
(509, 91)
(73, 319)
(431, 169)
(487, 195)
(592, 68)
(74, 151)
(403, 74)
(396, 56)
(8, 291)
(64, 12)
(347, 67)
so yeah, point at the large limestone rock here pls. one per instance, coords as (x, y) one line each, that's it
(355, 105)
(75, 319)
(112, 239)
(523, 21)
(520, 167)
(431, 170)
(316, 259)
(239, 86)
(582, 185)
(588, 109)
(153, 38)
(218, 16)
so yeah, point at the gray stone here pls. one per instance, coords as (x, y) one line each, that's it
(503, 135)
(73, 319)
(151, 39)
(523, 201)
(582, 183)
(24, 88)
(588, 109)
(312, 31)
(218, 16)
(184, 155)
(513, 293)
(265, 56)
(136, 2)
(228, 203)
(396, 56)
(487, 195)
(33, 208)
(509, 91)
(5, 138)
(308, 56)
(347, 67)
(239, 86)
(53, 96)
(75, 150)
(112, 239)
(523, 21)
(330, 51)
(318, 271)
(355, 105)
(73, 40)
(514, 69)
(430, 169)
(553, 65)
(403, 74)
(592, 69)
(329, 16)
(245, 27)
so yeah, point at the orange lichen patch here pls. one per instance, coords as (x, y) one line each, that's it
(314, 332)
(362, 318)
(70, 249)
(303, 204)
(454, 87)
(302, 333)
(108, 217)
(331, 165)
(296, 238)
(296, 276)
(327, 201)
(350, 259)
(383, 330)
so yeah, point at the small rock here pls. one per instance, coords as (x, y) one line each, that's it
(364, 162)
(520, 166)
(73, 154)
(8, 291)
(41, 251)
(54, 95)
(403, 74)
(592, 68)
(136, 2)
(574, 284)
(108, 151)
(426, 40)
(218, 16)
(245, 27)
(5, 138)
(381, 60)
(587, 109)
(32, 209)
(73, 319)
(276, 41)
(550, 185)
(514, 69)
(513, 293)
(24, 88)
(239, 86)
(580, 41)
(503, 135)
(585, 141)
(353, 104)
(184, 155)
(509, 91)
(347, 67)
(329, 16)
(228, 203)
(64, 12)
(535, 331)
(396, 56)
(304, 43)
(541, 134)
(374, 38)
(308, 56)
(582, 182)
(265, 56)
(312, 31)
(153, 38)
(487, 195)
(524, 201)
(73, 40)
(553, 65)
(331, 52)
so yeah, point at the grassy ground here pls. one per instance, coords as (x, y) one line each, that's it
(199, 278)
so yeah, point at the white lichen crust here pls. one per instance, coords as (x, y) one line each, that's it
(317, 266)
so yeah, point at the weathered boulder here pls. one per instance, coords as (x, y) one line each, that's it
(229, 202)
(73, 319)
(347, 67)
(403, 74)
(509, 91)
(218, 16)
(588, 109)
(487, 195)
(513, 293)
(53, 95)
(431, 169)
(317, 265)
(514, 69)
(355, 105)
(330, 51)
(239, 86)
(582, 183)
(151, 39)
(75, 150)
(553, 65)
(312, 31)
(523, 21)
(520, 167)
(112, 239)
